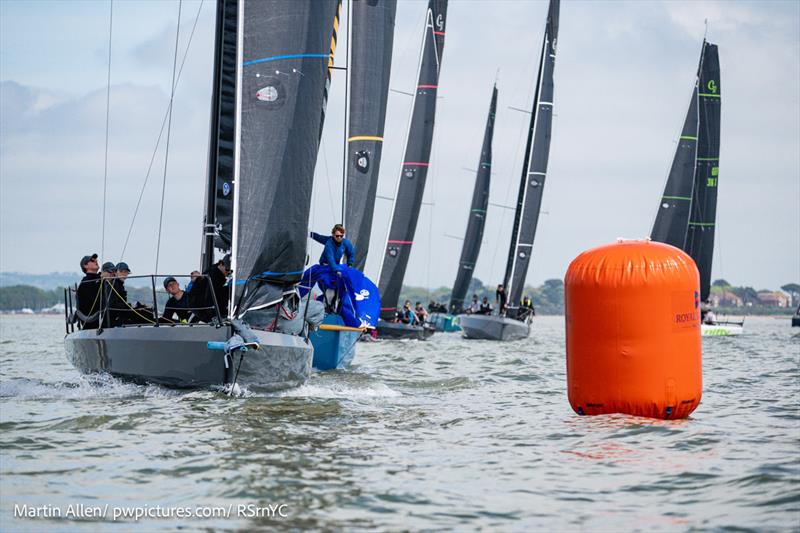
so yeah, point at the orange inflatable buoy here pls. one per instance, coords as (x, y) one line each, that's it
(633, 331)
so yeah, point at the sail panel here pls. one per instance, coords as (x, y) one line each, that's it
(414, 171)
(370, 65)
(285, 54)
(477, 215)
(672, 219)
(534, 171)
(702, 221)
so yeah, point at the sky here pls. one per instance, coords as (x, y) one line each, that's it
(623, 77)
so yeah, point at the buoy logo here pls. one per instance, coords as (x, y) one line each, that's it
(696, 300)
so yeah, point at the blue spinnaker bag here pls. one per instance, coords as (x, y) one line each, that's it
(359, 297)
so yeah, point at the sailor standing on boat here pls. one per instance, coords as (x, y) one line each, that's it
(336, 246)
(88, 294)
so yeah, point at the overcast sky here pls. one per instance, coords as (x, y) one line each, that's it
(623, 77)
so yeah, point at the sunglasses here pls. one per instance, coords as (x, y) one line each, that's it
(338, 235)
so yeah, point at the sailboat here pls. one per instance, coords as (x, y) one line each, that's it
(686, 216)
(411, 183)
(270, 76)
(474, 233)
(796, 318)
(516, 322)
(371, 35)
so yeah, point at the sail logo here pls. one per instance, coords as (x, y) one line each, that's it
(226, 189)
(362, 160)
(712, 86)
(267, 94)
(439, 21)
(362, 295)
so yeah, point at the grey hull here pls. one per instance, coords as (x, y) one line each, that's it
(398, 330)
(492, 327)
(181, 356)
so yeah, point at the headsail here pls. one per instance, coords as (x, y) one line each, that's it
(687, 214)
(534, 168)
(477, 215)
(282, 71)
(370, 64)
(700, 235)
(411, 184)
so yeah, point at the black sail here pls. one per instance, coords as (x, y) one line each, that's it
(284, 53)
(672, 219)
(411, 184)
(700, 234)
(218, 227)
(477, 215)
(370, 64)
(534, 168)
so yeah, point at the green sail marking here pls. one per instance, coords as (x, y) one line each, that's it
(676, 198)
(688, 138)
(709, 95)
(702, 224)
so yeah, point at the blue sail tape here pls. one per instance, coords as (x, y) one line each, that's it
(215, 345)
(268, 274)
(290, 56)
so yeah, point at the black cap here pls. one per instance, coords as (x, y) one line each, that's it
(169, 280)
(108, 266)
(86, 259)
(122, 265)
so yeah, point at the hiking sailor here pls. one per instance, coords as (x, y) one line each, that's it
(500, 299)
(88, 293)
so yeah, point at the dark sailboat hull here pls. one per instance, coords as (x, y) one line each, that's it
(493, 327)
(398, 330)
(796, 321)
(189, 357)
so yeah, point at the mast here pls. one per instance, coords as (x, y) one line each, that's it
(534, 167)
(218, 214)
(372, 32)
(284, 54)
(477, 215)
(702, 220)
(411, 183)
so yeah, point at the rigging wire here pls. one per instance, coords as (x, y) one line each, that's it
(169, 127)
(108, 109)
(160, 133)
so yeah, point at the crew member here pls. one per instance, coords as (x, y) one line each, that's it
(336, 246)
(88, 294)
(178, 303)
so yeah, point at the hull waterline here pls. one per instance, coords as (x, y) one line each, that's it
(398, 330)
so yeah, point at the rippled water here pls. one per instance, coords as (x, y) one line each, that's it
(447, 433)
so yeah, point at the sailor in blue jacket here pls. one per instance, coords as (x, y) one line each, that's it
(335, 247)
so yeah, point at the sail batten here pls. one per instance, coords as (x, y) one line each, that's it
(534, 169)
(411, 184)
(372, 33)
(284, 51)
(473, 236)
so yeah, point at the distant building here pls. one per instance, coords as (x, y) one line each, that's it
(725, 299)
(774, 299)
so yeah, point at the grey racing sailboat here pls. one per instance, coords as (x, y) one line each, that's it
(271, 69)
(516, 322)
(411, 183)
(686, 216)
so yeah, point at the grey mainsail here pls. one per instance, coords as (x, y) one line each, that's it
(700, 235)
(284, 51)
(370, 65)
(411, 184)
(687, 213)
(477, 215)
(534, 168)
(218, 223)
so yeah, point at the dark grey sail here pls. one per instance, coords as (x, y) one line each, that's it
(411, 185)
(284, 53)
(218, 223)
(700, 234)
(372, 35)
(672, 219)
(534, 168)
(687, 212)
(477, 215)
